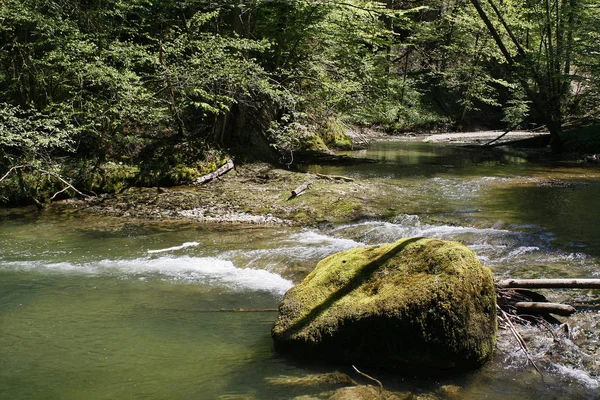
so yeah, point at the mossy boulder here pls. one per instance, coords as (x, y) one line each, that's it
(417, 304)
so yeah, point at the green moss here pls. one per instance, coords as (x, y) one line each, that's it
(113, 177)
(333, 134)
(418, 302)
(313, 142)
(181, 173)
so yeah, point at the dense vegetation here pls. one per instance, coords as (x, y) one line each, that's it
(107, 93)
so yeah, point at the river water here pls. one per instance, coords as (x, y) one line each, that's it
(102, 308)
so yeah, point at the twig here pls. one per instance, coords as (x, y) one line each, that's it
(12, 170)
(49, 173)
(519, 338)
(69, 186)
(371, 378)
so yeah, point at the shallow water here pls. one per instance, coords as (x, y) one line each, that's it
(102, 308)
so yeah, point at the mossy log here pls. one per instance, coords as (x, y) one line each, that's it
(222, 170)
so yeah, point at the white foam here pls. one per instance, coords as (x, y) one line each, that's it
(174, 248)
(307, 246)
(318, 239)
(579, 375)
(205, 270)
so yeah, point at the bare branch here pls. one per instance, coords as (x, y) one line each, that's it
(13, 169)
(66, 184)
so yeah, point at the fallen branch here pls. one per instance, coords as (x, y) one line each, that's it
(222, 170)
(506, 132)
(550, 283)
(537, 308)
(66, 184)
(335, 178)
(300, 189)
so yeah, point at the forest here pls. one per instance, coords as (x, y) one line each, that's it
(97, 95)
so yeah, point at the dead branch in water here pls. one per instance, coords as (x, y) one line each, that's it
(550, 283)
(541, 308)
(504, 317)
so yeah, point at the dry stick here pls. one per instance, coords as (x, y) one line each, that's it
(519, 338)
(551, 283)
(371, 378)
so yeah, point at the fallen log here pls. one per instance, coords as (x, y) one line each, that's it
(335, 178)
(300, 189)
(524, 307)
(222, 170)
(550, 283)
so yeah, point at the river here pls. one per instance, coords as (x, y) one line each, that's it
(105, 308)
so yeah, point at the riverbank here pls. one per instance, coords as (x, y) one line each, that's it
(258, 194)
(261, 194)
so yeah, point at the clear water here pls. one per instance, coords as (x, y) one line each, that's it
(101, 308)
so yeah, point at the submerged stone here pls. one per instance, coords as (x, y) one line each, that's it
(418, 304)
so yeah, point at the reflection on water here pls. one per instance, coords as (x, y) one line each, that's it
(104, 308)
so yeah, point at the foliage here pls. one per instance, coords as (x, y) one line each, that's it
(156, 85)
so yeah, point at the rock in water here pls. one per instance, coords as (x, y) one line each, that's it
(417, 304)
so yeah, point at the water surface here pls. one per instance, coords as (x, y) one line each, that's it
(102, 308)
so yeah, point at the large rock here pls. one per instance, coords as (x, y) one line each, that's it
(417, 304)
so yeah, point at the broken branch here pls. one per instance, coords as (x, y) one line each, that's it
(300, 189)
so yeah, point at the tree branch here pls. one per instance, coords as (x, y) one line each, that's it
(66, 184)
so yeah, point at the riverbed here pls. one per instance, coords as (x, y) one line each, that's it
(100, 307)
